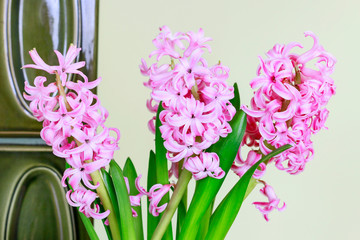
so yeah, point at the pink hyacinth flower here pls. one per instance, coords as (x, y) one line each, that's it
(192, 117)
(39, 63)
(155, 195)
(252, 158)
(189, 69)
(71, 120)
(66, 64)
(181, 151)
(81, 170)
(90, 141)
(166, 43)
(206, 164)
(40, 97)
(135, 200)
(174, 170)
(195, 97)
(84, 199)
(289, 103)
(63, 119)
(196, 41)
(266, 207)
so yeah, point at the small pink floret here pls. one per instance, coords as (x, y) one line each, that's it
(206, 164)
(273, 202)
(83, 199)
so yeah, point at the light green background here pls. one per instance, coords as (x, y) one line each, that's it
(323, 202)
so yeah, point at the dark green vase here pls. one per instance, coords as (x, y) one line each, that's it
(32, 200)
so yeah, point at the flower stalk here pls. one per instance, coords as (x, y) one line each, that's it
(176, 197)
(96, 177)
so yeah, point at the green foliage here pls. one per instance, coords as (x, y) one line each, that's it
(111, 190)
(207, 188)
(162, 173)
(130, 173)
(226, 212)
(236, 100)
(89, 227)
(204, 224)
(107, 228)
(126, 222)
(152, 221)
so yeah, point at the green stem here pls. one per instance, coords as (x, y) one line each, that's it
(106, 202)
(179, 191)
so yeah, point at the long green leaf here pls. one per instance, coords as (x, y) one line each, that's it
(204, 224)
(152, 221)
(207, 188)
(112, 194)
(181, 213)
(130, 173)
(182, 208)
(126, 222)
(226, 212)
(236, 100)
(107, 227)
(89, 227)
(85, 220)
(162, 173)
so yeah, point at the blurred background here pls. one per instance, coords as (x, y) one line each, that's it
(322, 202)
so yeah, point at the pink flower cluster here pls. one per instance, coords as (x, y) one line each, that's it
(195, 98)
(288, 107)
(73, 124)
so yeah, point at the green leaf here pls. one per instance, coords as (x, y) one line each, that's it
(152, 221)
(236, 100)
(86, 221)
(182, 208)
(89, 227)
(226, 212)
(112, 194)
(126, 222)
(181, 213)
(206, 189)
(162, 173)
(130, 173)
(107, 228)
(204, 224)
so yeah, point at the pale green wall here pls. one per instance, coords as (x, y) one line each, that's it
(322, 201)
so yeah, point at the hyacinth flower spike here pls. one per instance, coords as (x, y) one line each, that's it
(70, 124)
(195, 98)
